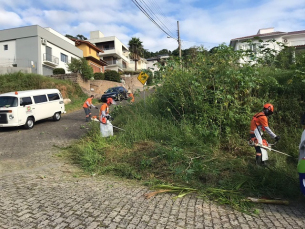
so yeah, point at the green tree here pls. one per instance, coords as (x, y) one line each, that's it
(81, 66)
(81, 37)
(147, 54)
(112, 76)
(136, 49)
(164, 52)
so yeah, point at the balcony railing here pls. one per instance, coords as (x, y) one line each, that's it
(109, 48)
(296, 43)
(50, 60)
(115, 62)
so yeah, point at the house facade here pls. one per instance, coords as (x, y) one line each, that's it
(92, 55)
(154, 62)
(36, 48)
(115, 54)
(141, 64)
(293, 39)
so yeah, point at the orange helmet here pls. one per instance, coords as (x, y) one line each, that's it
(268, 109)
(110, 101)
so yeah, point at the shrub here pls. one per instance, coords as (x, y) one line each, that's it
(81, 66)
(57, 71)
(99, 76)
(132, 72)
(150, 77)
(112, 76)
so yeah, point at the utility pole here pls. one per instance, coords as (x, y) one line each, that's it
(179, 41)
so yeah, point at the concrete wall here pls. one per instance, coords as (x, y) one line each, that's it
(6, 70)
(27, 51)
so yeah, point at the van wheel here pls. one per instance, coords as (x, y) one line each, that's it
(57, 116)
(29, 124)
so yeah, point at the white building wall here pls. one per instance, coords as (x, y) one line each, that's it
(7, 57)
(56, 52)
(255, 46)
(60, 35)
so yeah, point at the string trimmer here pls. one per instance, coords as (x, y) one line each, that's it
(251, 143)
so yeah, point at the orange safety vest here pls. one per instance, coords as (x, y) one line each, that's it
(89, 100)
(105, 108)
(132, 97)
(260, 119)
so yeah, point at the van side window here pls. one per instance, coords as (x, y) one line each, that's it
(40, 98)
(53, 96)
(25, 101)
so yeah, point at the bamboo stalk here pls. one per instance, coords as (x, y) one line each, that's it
(268, 201)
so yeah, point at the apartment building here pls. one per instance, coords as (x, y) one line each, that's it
(36, 49)
(115, 54)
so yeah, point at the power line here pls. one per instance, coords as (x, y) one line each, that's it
(147, 8)
(158, 9)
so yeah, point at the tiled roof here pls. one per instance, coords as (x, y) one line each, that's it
(260, 35)
(100, 62)
(296, 32)
(79, 42)
(269, 34)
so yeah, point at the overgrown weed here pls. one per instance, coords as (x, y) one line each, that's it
(193, 130)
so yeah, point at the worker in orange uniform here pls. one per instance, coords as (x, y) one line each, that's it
(130, 95)
(104, 117)
(259, 123)
(87, 106)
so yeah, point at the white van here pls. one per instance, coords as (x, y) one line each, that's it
(23, 108)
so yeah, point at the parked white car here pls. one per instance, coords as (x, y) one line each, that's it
(24, 108)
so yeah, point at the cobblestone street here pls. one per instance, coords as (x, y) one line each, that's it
(39, 189)
(59, 198)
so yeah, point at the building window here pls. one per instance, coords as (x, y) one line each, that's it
(64, 58)
(5, 47)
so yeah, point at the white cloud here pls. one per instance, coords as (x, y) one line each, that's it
(209, 23)
(9, 19)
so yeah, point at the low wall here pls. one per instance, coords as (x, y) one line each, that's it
(7, 70)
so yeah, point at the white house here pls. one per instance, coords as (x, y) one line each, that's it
(141, 64)
(35, 49)
(295, 39)
(116, 54)
(153, 62)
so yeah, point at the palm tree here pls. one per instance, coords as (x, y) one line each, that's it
(136, 49)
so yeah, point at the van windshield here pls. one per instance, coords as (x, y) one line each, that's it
(8, 101)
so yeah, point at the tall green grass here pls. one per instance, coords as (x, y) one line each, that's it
(193, 130)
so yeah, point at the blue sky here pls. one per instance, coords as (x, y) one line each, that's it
(205, 23)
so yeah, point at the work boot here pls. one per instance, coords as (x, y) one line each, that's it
(259, 160)
(264, 163)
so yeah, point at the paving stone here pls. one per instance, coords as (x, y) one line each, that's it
(61, 201)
